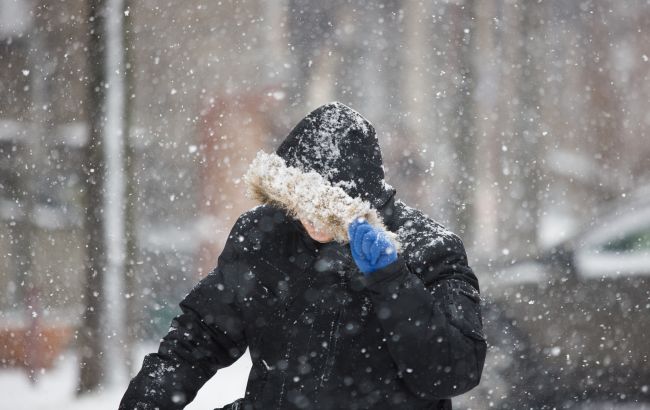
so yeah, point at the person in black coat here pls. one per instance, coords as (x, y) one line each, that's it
(346, 297)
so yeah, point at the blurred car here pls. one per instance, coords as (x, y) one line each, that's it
(572, 326)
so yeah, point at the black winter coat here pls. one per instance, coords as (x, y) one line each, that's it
(320, 334)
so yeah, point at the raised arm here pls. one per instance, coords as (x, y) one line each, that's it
(431, 320)
(207, 336)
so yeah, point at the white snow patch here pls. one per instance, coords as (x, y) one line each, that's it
(55, 388)
(554, 228)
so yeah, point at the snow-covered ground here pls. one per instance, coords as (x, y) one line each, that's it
(55, 388)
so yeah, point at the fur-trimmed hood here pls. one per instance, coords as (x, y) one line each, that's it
(328, 170)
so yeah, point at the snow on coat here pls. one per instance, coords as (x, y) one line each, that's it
(320, 334)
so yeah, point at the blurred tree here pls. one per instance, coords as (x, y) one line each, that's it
(528, 142)
(130, 281)
(40, 115)
(604, 108)
(463, 139)
(312, 25)
(91, 346)
(403, 147)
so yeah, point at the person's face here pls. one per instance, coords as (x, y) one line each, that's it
(318, 235)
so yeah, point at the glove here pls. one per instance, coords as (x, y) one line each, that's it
(371, 249)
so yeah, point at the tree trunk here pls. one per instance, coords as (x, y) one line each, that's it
(130, 283)
(464, 140)
(92, 361)
(603, 108)
(528, 135)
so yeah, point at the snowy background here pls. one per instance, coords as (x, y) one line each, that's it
(125, 128)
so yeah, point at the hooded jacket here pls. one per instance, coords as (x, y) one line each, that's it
(322, 335)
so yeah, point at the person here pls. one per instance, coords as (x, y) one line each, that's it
(346, 297)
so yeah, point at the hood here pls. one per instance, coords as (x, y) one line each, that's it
(328, 169)
(341, 145)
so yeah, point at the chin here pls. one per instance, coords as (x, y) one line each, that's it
(321, 239)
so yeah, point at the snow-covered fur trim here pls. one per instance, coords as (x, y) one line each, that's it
(308, 195)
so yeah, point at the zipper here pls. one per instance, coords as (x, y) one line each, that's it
(332, 347)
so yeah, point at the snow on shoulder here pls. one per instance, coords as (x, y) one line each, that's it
(421, 235)
(307, 194)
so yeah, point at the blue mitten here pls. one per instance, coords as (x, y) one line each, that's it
(370, 247)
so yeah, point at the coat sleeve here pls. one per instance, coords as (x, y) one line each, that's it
(207, 336)
(432, 321)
